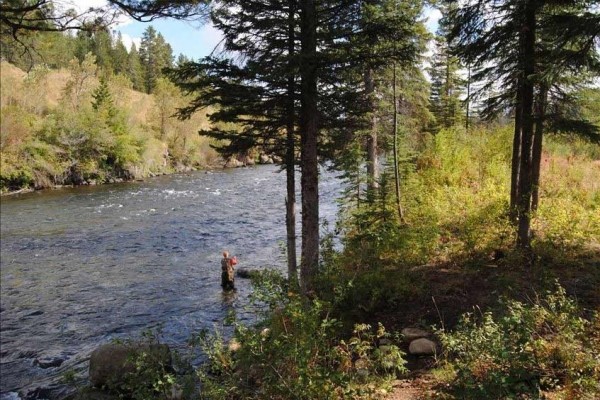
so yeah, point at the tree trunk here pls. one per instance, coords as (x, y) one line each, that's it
(290, 155)
(537, 145)
(516, 155)
(525, 172)
(372, 162)
(308, 146)
(395, 149)
(468, 96)
(448, 109)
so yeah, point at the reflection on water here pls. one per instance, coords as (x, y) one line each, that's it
(82, 266)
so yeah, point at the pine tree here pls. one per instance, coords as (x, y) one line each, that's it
(258, 96)
(120, 56)
(446, 84)
(102, 48)
(102, 99)
(155, 55)
(506, 50)
(134, 69)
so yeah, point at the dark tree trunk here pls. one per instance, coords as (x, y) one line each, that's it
(516, 155)
(308, 146)
(525, 172)
(448, 110)
(537, 145)
(372, 162)
(468, 97)
(290, 155)
(395, 149)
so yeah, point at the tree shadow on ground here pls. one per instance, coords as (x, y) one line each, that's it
(438, 293)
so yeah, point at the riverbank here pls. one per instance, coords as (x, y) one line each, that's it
(231, 163)
(84, 266)
(56, 135)
(503, 322)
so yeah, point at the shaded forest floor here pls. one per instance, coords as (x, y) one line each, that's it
(479, 285)
(446, 291)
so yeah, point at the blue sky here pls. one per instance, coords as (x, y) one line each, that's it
(195, 40)
(185, 37)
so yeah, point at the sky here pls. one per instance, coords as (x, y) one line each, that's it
(189, 38)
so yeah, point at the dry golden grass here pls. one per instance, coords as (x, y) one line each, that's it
(28, 99)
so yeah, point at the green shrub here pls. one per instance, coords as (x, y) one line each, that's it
(544, 346)
(295, 353)
(151, 375)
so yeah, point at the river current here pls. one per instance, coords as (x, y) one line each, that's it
(80, 267)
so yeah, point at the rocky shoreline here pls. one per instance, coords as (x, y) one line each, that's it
(232, 162)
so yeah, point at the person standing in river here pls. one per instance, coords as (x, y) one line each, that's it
(227, 274)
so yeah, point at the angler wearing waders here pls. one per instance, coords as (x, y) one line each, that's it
(227, 264)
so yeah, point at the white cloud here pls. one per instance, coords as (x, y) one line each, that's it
(433, 16)
(128, 41)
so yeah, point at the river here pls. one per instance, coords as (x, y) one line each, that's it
(80, 267)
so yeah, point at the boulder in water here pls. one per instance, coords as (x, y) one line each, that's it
(265, 159)
(48, 362)
(249, 160)
(110, 363)
(233, 163)
(245, 273)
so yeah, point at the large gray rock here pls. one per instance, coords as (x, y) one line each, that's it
(410, 334)
(422, 347)
(110, 363)
(265, 159)
(245, 273)
(249, 160)
(233, 163)
(48, 362)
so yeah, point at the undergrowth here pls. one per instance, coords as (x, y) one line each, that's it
(535, 348)
(296, 352)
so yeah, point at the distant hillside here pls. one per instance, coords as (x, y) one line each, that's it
(78, 125)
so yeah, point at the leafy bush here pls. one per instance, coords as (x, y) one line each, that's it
(151, 376)
(544, 346)
(295, 353)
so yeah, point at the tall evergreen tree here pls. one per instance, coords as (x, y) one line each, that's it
(258, 94)
(502, 39)
(134, 69)
(155, 55)
(309, 133)
(119, 56)
(102, 48)
(446, 84)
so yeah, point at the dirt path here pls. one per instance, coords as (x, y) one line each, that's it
(404, 394)
(409, 389)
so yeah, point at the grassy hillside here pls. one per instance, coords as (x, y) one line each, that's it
(61, 127)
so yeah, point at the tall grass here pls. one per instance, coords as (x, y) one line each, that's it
(456, 194)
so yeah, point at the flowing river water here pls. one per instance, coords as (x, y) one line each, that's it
(83, 266)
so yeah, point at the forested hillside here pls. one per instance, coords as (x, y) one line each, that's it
(85, 110)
